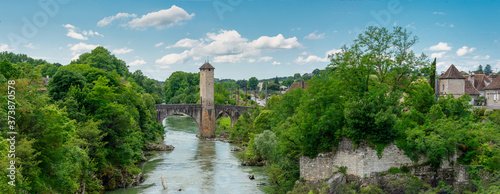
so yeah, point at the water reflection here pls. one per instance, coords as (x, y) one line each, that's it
(195, 166)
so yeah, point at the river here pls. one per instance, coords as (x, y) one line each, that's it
(195, 166)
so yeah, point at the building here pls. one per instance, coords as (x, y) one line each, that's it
(480, 81)
(452, 82)
(492, 94)
(299, 84)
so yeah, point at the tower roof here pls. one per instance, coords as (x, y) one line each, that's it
(452, 73)
(207, 66)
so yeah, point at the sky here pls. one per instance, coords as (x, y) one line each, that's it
(244, 38)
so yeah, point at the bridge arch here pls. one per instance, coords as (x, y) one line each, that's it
(195, 111)
(165, 110)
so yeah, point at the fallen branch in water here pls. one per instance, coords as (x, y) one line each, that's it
(162, 183)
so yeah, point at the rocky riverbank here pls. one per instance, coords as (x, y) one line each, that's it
(157, 147)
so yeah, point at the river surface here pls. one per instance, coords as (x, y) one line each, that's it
(195, 166)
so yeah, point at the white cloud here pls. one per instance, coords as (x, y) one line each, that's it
(122, 50)
(451, 25)
(437, 55)
(91, 33)
(184, 43)
(315, 36)
(439, 13)
(72, 32)
(30, 46)
(481, 57)
(227, 46)
(137, 63)
(440, 64)
(314, 58)
(309, 59)
(79, 48)
(277, 42)
(333, 51)
(276, 63)
(161, 19)
(107, 20)
(265, 58)
(5, 47)
(159, 44)
(174, 58)
(411, 25)
(465, 50)
(441, 46)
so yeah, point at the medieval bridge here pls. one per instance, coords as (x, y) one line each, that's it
(206, 112)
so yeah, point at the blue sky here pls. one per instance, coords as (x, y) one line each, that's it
(244, 38)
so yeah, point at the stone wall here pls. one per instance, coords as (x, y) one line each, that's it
(361, 161)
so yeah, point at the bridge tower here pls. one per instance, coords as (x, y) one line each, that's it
(207, 126)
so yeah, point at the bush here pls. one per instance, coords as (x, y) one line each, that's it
(495, 117)
(488, 112)
(265, 143)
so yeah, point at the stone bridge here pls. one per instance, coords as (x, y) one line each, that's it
(195, 111)
(207, 111)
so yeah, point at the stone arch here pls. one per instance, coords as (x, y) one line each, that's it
(165, 110)
(234, 112)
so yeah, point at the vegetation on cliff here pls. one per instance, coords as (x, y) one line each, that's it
(373, 90)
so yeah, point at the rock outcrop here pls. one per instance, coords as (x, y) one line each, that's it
(157, 147)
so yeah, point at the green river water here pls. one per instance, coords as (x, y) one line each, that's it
(195, 166)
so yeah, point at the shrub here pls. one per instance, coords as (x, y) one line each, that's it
(488, 112)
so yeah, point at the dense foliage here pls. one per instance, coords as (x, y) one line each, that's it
(93, 118)
(372, 92)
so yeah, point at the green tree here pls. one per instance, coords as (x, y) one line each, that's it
(487, 69)
(62, 81)
(479, 70)
(432, 81)
(182, 87)
(273, 86)
(288, 82)
(9, 70)
(242, 84)
(252, 83)
(276, 81)
(419, 96)
(316, 71)
(103, 59)
(296, 76)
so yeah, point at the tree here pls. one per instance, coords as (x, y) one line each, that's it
(252, 83)
(9, 70)
(316, 71)
(242, 83)
(288, 82)
(103, 59)
(487, 69)
(276, 80)
(62, 81)
(479, 70)
(273, 86)
(432, 81)
(296, 76)
(182, 87)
